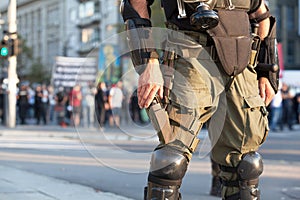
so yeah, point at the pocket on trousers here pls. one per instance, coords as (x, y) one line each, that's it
(256, 121)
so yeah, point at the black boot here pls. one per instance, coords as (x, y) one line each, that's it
(154, 191)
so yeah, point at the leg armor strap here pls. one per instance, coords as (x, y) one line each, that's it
(189, 124)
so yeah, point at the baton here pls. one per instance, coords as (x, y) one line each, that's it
(267, 67)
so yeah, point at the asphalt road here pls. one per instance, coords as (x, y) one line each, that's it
(119, 165)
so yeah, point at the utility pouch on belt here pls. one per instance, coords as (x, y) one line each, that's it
(233, 40)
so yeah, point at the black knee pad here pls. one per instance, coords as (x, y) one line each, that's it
(251, 166)
(249, 169)
(168, 166)
(167, 169)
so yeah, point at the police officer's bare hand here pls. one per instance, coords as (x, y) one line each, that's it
(265, 90)
(150, 83)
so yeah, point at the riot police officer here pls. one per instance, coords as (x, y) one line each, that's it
(222, 28)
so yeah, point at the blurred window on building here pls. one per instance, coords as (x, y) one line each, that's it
(90, 34)
(86, 9)
(291, 51)
(279, 21)
(52, 14)
(291, 25)
(97, 6)
(73, 15)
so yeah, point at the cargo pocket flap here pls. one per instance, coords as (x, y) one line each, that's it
(254, 102)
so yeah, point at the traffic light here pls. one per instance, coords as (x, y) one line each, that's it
(14, 47)
(10, 47)
(4, 49)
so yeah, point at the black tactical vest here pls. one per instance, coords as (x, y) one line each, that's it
(171, 10)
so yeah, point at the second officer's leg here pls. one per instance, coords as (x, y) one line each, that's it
(245, 129)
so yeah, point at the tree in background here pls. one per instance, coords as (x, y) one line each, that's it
(30, 68)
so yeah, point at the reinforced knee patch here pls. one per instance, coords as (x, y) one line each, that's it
(168, 167)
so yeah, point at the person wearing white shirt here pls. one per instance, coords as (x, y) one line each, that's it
(115, 102)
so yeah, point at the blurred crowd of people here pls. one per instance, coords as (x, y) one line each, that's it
(90, 106)
(108, 104)
(285, 108)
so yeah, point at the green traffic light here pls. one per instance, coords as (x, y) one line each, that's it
(4, 51)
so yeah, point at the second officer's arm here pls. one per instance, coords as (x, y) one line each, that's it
(266, 90)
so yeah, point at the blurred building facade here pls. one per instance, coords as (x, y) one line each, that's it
(97, 21)
(73, 28)
(48, 27)
(288, 30)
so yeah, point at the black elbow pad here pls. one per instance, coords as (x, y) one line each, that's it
(268, 55)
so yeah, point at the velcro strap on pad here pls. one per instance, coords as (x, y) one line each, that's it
(228, 169)
(166, 182)
(190, 126)
(160, 122)
(234, 183)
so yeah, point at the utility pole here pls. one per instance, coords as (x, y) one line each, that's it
(12, 66)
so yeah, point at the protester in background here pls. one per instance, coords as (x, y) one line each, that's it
(100, 101)
(2, 104)
(45, 103)
(31, 103)
(276, 112)
(287, 106)
(75, 100)
(60, 106)
(115, 102)
(38, 105)
(108, 111)
(134, 108)
(68, 110)
(23, 97)
(88, 105)
(52, 103)
(298, 106)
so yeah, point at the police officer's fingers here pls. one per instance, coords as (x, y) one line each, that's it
(262, 89)
(268, 100)
(151, 96)
(270, 93)
(140, 90)
(262, 93)
(161, 92)
(143, 95)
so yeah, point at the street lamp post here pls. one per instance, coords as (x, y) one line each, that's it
(12, 66)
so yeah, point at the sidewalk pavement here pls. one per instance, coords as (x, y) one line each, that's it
(21, 185)
(18, 184)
